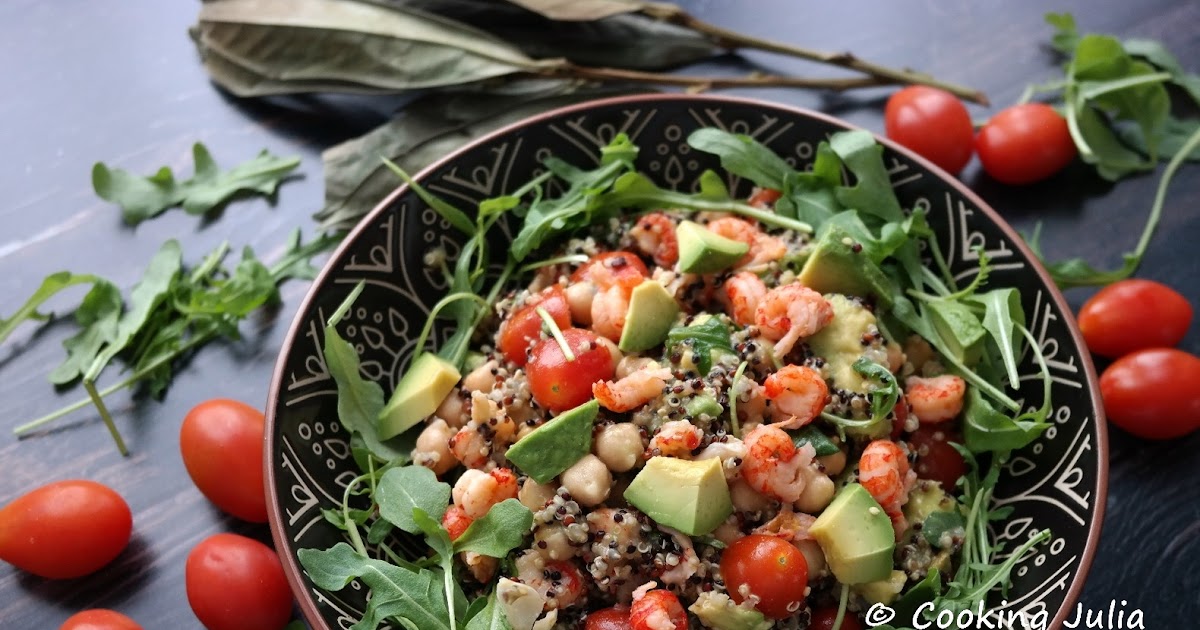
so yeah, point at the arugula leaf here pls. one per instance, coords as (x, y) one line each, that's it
(491, 617)
(502, 529)
(143, 198)
(812, 196)
(296, 260)
(451, 214)
(872, 193)
(959, 328)
(702, 339)
(1066, 35)
(438, 540)
(395, 591)
(743, 156)
(402, 490)
(884, 397)
(1002, 315)
(812, 435)
(986, 429)
(939, 523)
(97, 317)
(51, 286)
(1157, 54)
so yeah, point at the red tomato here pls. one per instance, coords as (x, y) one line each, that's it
(1024, 144)
(764, 198)
(456, 521)
(652, 605)
(625, 267)
(1134, 315)
(558, 384)
(615, 618)
(236, 583)
(1154, 394)
(774, 569)
(99, 619)
(933, 123)
(65, 529)
(936, 459)
(222, 445)
(524, 326)
(823, 618)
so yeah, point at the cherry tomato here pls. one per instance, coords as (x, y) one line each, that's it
(237, 583)
(99, 619)
(936, 459)
(65, 529)
(524, 326)
(625, 268)
(764, 198)
(646, 612)
(823, 618)
(558, 384)
(933, 123)
(456, 521)
(1024, 144)
(774, 570)
(222, 445)
(1134, 315)
(615, 618)
(1154, 394)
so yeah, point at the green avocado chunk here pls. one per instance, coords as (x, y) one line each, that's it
(856, 536)
(834, 267)
(690, 496)
(557, 445)
(651, 315)
(717, 611)
(703, 251)
(423, 387)
(704, 404)
(883, 591)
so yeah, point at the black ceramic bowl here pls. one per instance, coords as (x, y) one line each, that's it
(1058, 482)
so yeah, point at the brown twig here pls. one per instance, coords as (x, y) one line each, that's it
(572, 71)
(733, 40)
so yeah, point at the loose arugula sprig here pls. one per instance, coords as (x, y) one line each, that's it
(170, 313)
(1118, 110)
(143, 198)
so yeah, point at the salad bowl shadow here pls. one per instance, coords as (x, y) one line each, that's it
(1058, 482)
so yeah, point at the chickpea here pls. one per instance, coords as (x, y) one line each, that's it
(433, 447)
(818, 492)
(579, 299)
(534, 495)
(588, 481)
(453, 409)
(557, 546)
(613, 350)
(619, 446)
(747, 499)
(481, 379)
(815, 557)
(834, 464)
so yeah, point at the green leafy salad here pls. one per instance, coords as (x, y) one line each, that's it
(675, 410)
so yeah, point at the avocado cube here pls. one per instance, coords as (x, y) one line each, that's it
(690, 496)
(652, 312)
(423, 387)
(557, 445)
(856, 536)
(836, 267)
(703, 251)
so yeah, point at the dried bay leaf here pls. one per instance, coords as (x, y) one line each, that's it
(428, 129)
(579, 10)
(299, 43)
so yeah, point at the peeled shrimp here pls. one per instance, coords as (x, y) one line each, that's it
(609, 309)
(741, 295)
(633, 391)
(774, 466)
(764, 248)
(654, 236)
(788, 524)
(798, 394)
(787, 313)
(884, 472)
(677, 438)
(688, 563)
(476, 491)
(936, 399)
(560, 582)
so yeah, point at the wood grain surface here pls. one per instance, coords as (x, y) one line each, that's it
(119, 81)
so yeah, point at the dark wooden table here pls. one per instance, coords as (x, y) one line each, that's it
(119, 81)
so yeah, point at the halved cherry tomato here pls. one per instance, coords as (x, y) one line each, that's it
(615, 618)
(65, 529)
(222, 446)
(773, 569)
(558, 384)
(936, 459)
(823, 618)
(933, 123)
(764, 198)
(647, 612)
(1134, 314)
(237, 583)
(1154, 394)
(456, 521)
(1025, 143)
(523, 328)
(624, 268)
(99, 619)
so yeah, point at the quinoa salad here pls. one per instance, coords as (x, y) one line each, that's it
(690, 411)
